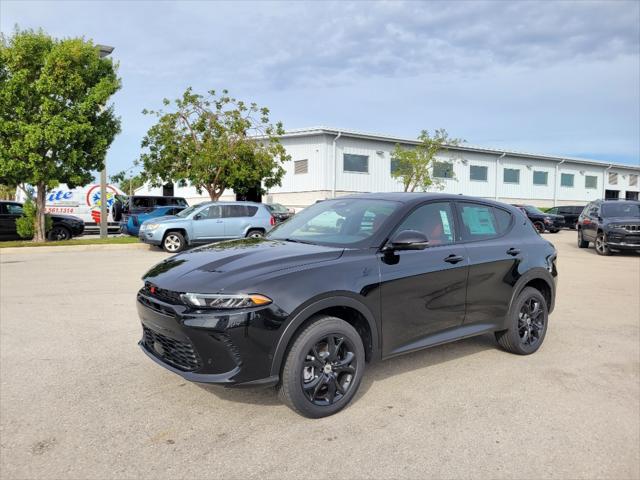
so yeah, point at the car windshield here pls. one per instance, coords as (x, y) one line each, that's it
(339, 222)
(621, 210)
(187, 211)
(532, 209)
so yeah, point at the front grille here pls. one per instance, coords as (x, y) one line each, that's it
(630, 228)
(167, 296)
(174, 352)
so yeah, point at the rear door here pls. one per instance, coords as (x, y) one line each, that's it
(423, 291)
(590, 222)
(208, 225)
(493, 260)
(235, 219)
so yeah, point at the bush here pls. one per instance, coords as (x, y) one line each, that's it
(25, 225)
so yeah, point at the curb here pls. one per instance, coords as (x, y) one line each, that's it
(74, 248)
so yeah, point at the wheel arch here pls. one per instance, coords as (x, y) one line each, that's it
(541, 280)
(340, 305)
(180, 230)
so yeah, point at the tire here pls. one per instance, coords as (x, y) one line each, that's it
(601, 245)
(526, 332)
(539, 226)
(310, 363)
(173, 242)
(581, 242)
(555, 230)
(255, 233)
(59, 233)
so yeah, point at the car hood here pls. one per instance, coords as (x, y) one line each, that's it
(624, 220)
(162, 219)
(234, 265)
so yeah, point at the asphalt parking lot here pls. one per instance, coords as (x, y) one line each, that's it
(78, 399)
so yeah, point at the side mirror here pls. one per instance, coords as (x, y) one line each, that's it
(197, 217)
(408, 240)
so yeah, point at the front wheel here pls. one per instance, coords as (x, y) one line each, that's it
(601, 245)
(528, 320)
(323, 369)
(59, 233)
(539, 227)
(173, 242)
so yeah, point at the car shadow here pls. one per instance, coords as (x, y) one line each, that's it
(375, 372)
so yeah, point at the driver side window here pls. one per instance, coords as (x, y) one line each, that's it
(211, 212)
(435, 220)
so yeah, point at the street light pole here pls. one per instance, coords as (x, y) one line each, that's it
(105, 50)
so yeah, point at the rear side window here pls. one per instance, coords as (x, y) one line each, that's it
(234, 211)
(435, 220)
(251, 211)
(482, 221)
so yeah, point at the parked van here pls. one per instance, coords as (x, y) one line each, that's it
(82, 202)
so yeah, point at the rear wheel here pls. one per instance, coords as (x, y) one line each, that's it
(59, 233)
(173, 242)
(582, 243)
(527, 323)
(255, 233)
(539, 227)
(323, 369)
(555, 230)
(601, 245)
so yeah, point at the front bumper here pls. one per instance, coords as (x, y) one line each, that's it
(555, 224)
(621, 240)
(222, 347)
(151, 237)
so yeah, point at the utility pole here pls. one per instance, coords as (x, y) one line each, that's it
(105, 50)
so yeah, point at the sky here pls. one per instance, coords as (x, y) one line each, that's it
(550, 77)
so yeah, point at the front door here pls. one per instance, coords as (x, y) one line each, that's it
(423, 292)
(208, 224)
(9, 213)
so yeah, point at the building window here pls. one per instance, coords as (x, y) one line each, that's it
(395, 165)
(300, 167)
(590, 181)
(540, 178)
(613, 178)
(511, 175)
(443, 169)
(355, 163)
(478, 173)
(566, 179)
(633, 180)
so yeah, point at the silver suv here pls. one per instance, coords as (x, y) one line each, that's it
(207, 222)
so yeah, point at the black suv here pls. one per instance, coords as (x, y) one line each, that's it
(612, 225)
(63, 227)
(345, 282)
(542, 221)
(569, 212)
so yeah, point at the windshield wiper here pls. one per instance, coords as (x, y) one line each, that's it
(294, 240)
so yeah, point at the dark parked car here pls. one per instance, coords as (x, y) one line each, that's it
(569, 212)
(63, 227)
(279, 212)
(345, 282)
(612, 225)
(542, 221)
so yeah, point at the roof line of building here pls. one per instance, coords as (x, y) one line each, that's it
(321, 130)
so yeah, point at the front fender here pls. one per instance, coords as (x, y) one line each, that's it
(310, 308)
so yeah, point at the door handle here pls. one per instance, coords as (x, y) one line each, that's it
(513, 251)
(454, 258)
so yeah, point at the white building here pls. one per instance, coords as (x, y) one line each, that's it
(327, 162)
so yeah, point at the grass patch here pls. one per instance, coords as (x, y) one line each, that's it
(73, 241)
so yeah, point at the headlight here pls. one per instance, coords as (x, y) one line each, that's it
(222, 301)
(150, 226)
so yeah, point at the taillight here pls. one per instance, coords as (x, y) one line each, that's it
(272, 221)
(586, 221)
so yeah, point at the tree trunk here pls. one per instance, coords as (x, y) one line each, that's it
(40, 227)
(214, 194)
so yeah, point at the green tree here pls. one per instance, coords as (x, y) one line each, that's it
(25, 225)
(213, 142)
(7, 192)
(413, 166)
(127, 182)
(54, 123)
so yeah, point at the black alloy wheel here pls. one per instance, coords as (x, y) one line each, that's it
(582, 243)
(531, 322)
(59, 233)
(527, 323)
(323, 368)
(329, 369)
